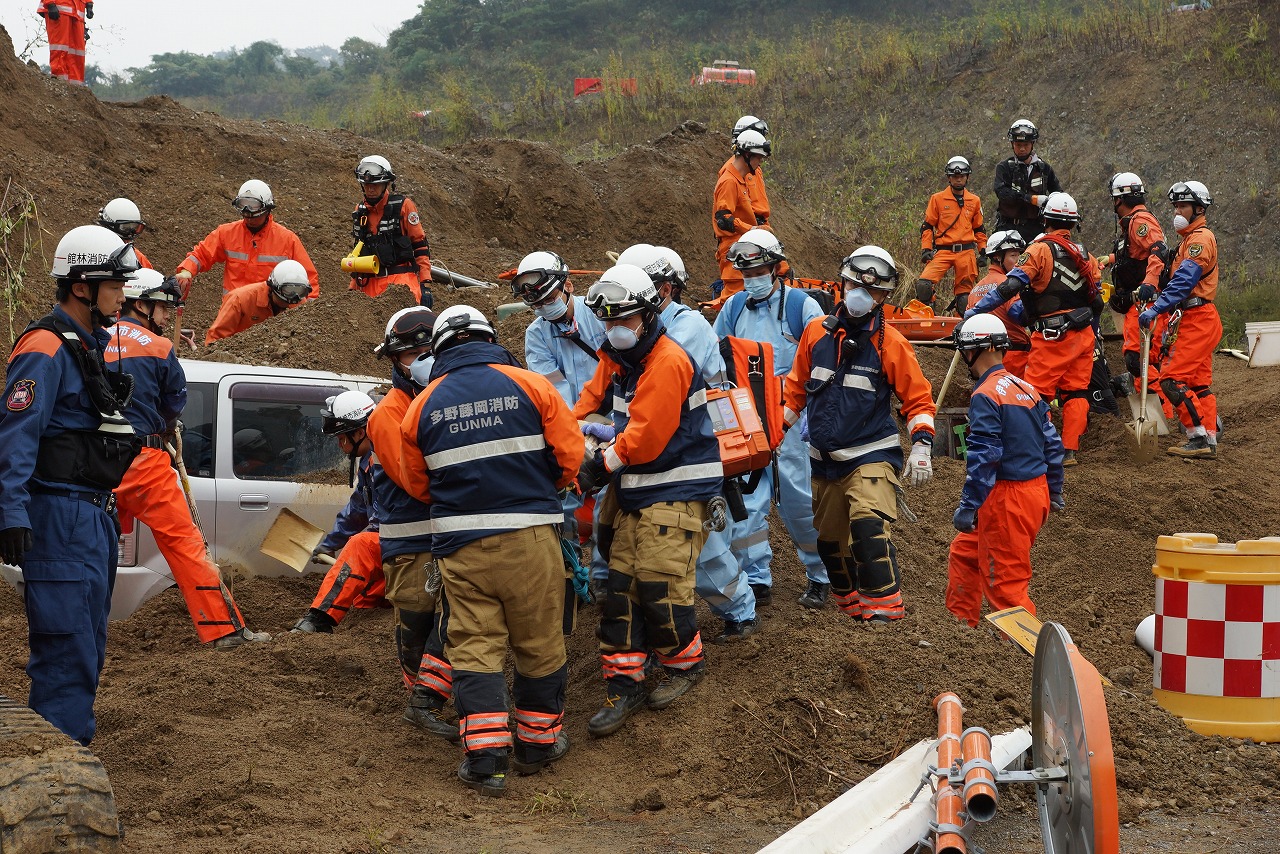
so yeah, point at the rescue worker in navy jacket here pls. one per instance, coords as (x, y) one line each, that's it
(490, 445)
(846, 368)
(66, 447)
(664, 463)
(1013, 478)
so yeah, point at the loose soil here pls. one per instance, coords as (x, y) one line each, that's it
(297, 745)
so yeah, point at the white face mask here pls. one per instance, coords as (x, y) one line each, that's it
(552, 310)
(758, 287)
(1180, 222)
(420, 370)
(622, 337)
(858, 302)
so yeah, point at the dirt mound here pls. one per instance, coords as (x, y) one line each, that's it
(297, 745)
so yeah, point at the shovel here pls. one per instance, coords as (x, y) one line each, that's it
(291, 540)
(1146, 446)
(946, 383)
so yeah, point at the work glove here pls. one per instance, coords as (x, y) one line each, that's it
(965, 520)
(970, 313)
(920, 464)
(926, 255)
(1104, 261)
(593, 475)
(1056, 503)
(803, 424)
(599, 432)
(86, 33)
(1147, 318)
(428, 299)
(14, 543)
(52, 12)
(982, 259)
(317, 552)
(760, 220)
(88, 11)
(1146, 293)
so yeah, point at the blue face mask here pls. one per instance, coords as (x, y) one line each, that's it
(420, 370)
(552, 310)
(858, 302)
(758, 287)
(622, 337)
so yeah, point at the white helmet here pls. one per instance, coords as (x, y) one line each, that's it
(407, 329)
(153, 285)
(456, 320)
(1191, 191)
(751, 123)
(539, 275)
(254, 198)
(374, 169)
(1003, 241)
(980, 332)
(869, 266)
(123, 217)
(623, 290)
(677, 264)
(757, 247)
(1023, 130)
(1060, 206)
(1126, 184)
(289, 281)
(651, 259)
(959, 166)
(91, 253)
(345, 412)
(420, 369)
(751, 142)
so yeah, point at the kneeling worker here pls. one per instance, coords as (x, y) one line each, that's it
(1013, 478)
(248, 306)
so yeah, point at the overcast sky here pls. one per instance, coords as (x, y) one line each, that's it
(127, 33)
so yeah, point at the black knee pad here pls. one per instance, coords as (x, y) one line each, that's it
(1173, 391)
(411, 637)
(962, 303)
(925, 291)
(1133, 362)
(875, 553)
(616, 604)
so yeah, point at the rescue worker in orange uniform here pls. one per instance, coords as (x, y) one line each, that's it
(663, 466)
(1013, 478)
(732, 212)
(1194, 326)
(1059, 284)
(250, 248)
(1023, 184)
(847, 367)
(390, 227)
(64, 23)
(951, 237)
(490, 445)
(123, 217)
(1137, 261)
(151, 491)
(1004, 248)
(286, 287)
(355, 578)
(755, 180)
(404, 529)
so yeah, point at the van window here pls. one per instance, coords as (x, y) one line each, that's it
(276, 434)
(197, 429)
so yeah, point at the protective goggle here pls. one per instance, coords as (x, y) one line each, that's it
(868, 271)
(1023, 133)
(759, 125)
(534, 286)
(1184, 192)
(959, 169)
(249, 205)
(128, 227)
(611, 301)
(743, 255)
(416, 335)
(291, 292)
(119, 265)
(764, 148)
(372, 173)
(169, 293)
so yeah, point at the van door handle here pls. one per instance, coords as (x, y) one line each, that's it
(254, 502)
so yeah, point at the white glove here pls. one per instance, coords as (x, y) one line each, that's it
(920, 464)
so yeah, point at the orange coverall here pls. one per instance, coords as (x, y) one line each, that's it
(948, 224)
(1144, 233)
(249, 257)
(1015, 360)
(1189, 366)
(732, 215)
(344, 587)
(242, 308)
(66, 40)
(756, 191)
(411, 227)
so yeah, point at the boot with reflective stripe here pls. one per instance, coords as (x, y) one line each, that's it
(529, 759)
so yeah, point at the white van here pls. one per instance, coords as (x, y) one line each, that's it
(282, 459)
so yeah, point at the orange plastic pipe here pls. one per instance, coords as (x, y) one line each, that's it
(508, 275)
(948, 802)
(980, 793)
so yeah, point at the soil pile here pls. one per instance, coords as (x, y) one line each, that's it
(297, 746)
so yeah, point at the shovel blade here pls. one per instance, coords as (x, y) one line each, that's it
(1146, 446)
(291, 540)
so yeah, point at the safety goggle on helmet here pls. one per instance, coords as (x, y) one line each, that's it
(250, 205)
(756, 248)
(408, 329)
(869, 267)
(539, 276)
(374, 170)
(622, 291)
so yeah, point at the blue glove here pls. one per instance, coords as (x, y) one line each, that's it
(965, 520)
(428, 299)
(1146, 293)
(600, 432)
(1056, 503)
(803, 424)
(1147, 318)
(970, 313)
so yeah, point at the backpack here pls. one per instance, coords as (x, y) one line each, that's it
(793, 308)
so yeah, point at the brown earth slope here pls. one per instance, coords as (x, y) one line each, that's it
(296, 746)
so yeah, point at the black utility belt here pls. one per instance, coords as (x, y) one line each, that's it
(153, 440)
(955, 247)
(399, 268)
(1194, 302)
(1020, 346)
(106, 501)
(1052, 327)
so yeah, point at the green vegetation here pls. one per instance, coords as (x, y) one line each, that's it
(19, 237)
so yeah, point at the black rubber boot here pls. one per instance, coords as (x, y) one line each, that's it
(529, 759)
(614, 713)
(426, 712)
(314, 622)
(491, 785)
